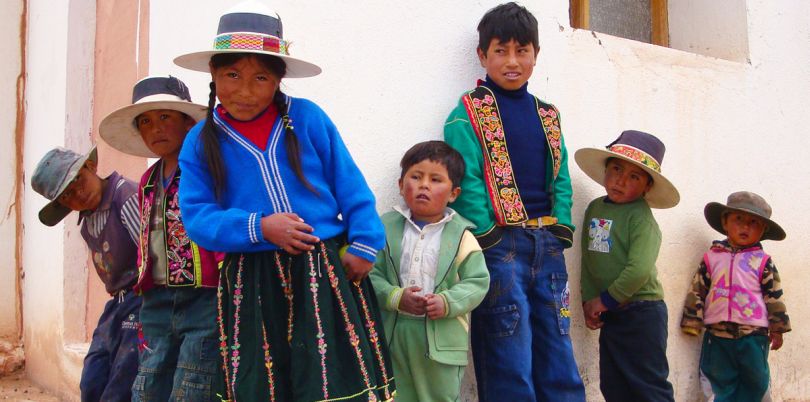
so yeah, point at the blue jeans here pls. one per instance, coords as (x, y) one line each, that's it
(180, 360)
(520, 342)
(112, 360)
(633, 353)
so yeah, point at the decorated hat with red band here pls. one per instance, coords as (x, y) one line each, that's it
(250, 27)
(639, 148)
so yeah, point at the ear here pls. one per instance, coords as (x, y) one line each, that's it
(454, 194)
(399, 182)
(482, 57)
(211, 69)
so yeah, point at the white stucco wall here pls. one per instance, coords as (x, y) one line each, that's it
(10, 25)
(393, 71)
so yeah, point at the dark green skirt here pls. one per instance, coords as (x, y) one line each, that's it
(293, 328)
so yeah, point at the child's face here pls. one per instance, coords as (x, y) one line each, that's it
(84, 193)
(625, 182)
(163, 130)
(427, 190)
(743, 229)
(245, 88)
(508, 64)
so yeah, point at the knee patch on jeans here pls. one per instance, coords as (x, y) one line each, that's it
(559, 287)
(500, 321)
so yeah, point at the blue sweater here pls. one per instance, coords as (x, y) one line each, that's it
(527, 146)
(258, 184)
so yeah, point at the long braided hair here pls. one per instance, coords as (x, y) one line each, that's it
(210, 134)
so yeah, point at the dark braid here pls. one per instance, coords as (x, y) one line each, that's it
(210, 141)
(291, 140)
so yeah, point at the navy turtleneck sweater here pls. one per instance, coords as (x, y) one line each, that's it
(526, 142)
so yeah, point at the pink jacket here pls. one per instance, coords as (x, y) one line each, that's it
(736, 294)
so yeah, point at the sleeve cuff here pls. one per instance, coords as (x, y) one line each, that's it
(446, 305)
(394, 298)
(255, 228)
(608, 301)
(363, 251)
(690, 331)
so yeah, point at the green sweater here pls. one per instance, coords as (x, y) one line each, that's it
(620, 244)
(462, 280)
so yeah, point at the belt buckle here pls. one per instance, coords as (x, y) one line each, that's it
(533, 223)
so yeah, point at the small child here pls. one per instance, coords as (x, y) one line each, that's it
(177, 278)
(737, 296)
(517, 193)
(619, 277)
(108, 213)
(432, 267)
(268, 179)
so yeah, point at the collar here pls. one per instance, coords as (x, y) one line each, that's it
(517, 93)
(406, 213)
(723, 245)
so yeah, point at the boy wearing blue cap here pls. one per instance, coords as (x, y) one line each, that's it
(109, 216)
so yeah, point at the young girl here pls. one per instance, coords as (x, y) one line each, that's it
(177, 278)
(268, 180)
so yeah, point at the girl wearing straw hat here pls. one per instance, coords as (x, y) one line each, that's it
(177, 277)
(267, 179)
(620, 284)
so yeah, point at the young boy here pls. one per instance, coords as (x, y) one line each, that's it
(109, 217)
(429, 276)
(620, 287)
(177, 278)
(518, 194)
(737, 296)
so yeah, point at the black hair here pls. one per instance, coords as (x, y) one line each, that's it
(506, 22)
(210, 134)
(439, 152)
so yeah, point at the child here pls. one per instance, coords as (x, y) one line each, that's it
(268, 179)
(108, 213)
(518, 194)
(619, 277)
(176, 276)
(737, 295)
(431, 267)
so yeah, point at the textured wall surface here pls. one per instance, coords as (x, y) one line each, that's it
(392, 72)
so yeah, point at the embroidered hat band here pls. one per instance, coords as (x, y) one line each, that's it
(251, 41)
(636, 155)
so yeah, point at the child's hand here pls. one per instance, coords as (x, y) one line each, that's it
(776, 340)
(411, 302)
(356, 268)
(289, 232)
(435, 307)
(592, 309)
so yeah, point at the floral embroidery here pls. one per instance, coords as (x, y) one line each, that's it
(551, 126)
(637, 155)
(237, 302)
(286, 285)
(268, 361)
(373, 336)
(313, 287)
(223, 341)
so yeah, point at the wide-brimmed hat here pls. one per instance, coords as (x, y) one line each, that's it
(641, 149)
(53, 174)
(748, 202)
(151, 93)
(250, 27)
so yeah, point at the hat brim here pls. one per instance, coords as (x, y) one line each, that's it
(663, 193)
(118, 128)
(54, 212)
(714, 212)
(296, 68)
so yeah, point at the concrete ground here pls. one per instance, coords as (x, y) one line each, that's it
(15, 387)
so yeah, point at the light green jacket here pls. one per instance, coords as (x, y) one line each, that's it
(462, 280)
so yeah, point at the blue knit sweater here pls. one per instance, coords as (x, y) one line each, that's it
(260, 183)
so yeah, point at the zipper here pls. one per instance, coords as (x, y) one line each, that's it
(730, 283)
(399, 283)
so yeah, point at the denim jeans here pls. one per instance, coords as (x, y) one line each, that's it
(633, 353)
(112, 360)
(180, 360)
(520, 342)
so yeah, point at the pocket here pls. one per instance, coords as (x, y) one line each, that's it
(139, 388)
(195, 387)
(209, 349)
(562, 299)
(500, 321)
(451, 333)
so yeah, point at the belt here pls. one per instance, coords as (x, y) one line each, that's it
(539, 222)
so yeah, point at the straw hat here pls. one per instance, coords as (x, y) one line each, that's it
(250, 27)
(748, 202)
(53, 174)
(151, 93)
(641, 149)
